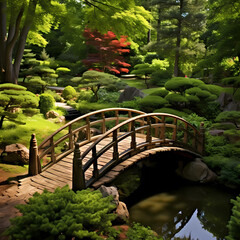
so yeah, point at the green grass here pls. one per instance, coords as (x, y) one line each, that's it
(12, 133)
(137, 83)
(151, 90)
(13, 168)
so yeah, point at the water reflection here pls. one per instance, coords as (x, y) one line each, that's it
(199, 211)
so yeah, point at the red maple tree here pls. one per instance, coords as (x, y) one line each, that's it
(107, 52)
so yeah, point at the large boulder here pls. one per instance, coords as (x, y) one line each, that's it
(129, 94)
(197, 171)
(227, 102)
(16, 154)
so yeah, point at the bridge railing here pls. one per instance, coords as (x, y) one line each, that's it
(144, 132)
(84, 129)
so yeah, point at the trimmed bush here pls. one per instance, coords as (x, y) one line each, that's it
(62, 71)
(180, 84)
(159, 78)
(150, 103)
(46, 103)
(229, 116)
(193, 99)
(175, 99)
(161, 92)
(69, 93)
(64, 214)
(171, 111)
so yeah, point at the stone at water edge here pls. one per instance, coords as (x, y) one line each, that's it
(110, 191)
(129, 94)
(122, 213)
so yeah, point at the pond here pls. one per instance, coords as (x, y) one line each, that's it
(199, 211)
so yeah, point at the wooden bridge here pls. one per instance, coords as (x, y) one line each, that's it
(93, 149)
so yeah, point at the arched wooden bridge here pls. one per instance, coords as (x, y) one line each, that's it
(106, 142)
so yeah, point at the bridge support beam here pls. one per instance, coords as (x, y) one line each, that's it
(34, 162)
(78, 179)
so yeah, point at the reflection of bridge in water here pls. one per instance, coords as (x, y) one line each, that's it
(110, 140)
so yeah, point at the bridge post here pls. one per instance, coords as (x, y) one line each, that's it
(202, 139)
(34, 162)
(78, 179)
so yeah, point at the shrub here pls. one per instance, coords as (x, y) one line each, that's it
(234, 222)
(171, 111)
(69, 93)
(159, 78)
(180, 84)
(134, 104)
(161, 92)
(62, 71)
(150, 56)
(193, 99)
(229, 116)
(108, 97)
(63, 214)
(137, 231)
(85, 95)
(150, 103)
(46, 103)
(196, 120)
(56, 96)
(176, 99)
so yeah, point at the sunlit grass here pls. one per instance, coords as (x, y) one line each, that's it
(13, 168)
(137, 83)
(12, 133)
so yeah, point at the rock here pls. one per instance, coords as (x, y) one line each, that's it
(216, 132)
(107, 191)
(232, 106)
(129, 94)
(197, 171)
(122, 213)
(16, 154)
(224, 99)
(52, 114)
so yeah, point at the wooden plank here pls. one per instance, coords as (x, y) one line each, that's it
(59, 174)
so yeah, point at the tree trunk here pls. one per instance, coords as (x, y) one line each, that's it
(178, 43)
(8, 71)
(3, 9)
(149, 36)
(159, 25)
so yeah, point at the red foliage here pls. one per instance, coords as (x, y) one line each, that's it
(107, 52)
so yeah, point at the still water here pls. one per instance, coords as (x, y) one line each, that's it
(199, 211)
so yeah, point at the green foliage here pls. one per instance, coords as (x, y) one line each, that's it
(46, 103)
(234, 222)
(63, 214)
(85, 107)
(13, 100)
(95, 80)
(150, 103)
(232, 81)
(69, 93)
(159, 78)
(56, 96)
(196, 120)
(85, 95)
(134, 104)
(229, 116)
(181, 84)
(171, 111)
(137, 231)
(176, 99)
(160, 92)
(150, 56)
(62, 70)
(108, 97)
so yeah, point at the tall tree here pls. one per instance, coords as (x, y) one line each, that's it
(19, 20)
(179, 24)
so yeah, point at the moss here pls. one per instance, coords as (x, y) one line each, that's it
(13, 168)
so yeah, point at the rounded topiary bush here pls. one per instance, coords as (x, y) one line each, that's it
(176, 99)
(69, 93)
(193, 99)
(180, 84)
(161, 92)
(46, 103)
(64, 214)
(171, 111)
(150, 103)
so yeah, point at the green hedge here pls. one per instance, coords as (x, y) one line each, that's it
(150, 103)
(175, 99)
(161, 92)
(46, 103)
(69, 93)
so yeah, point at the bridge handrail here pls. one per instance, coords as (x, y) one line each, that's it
(88, 123)
(197, 138)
